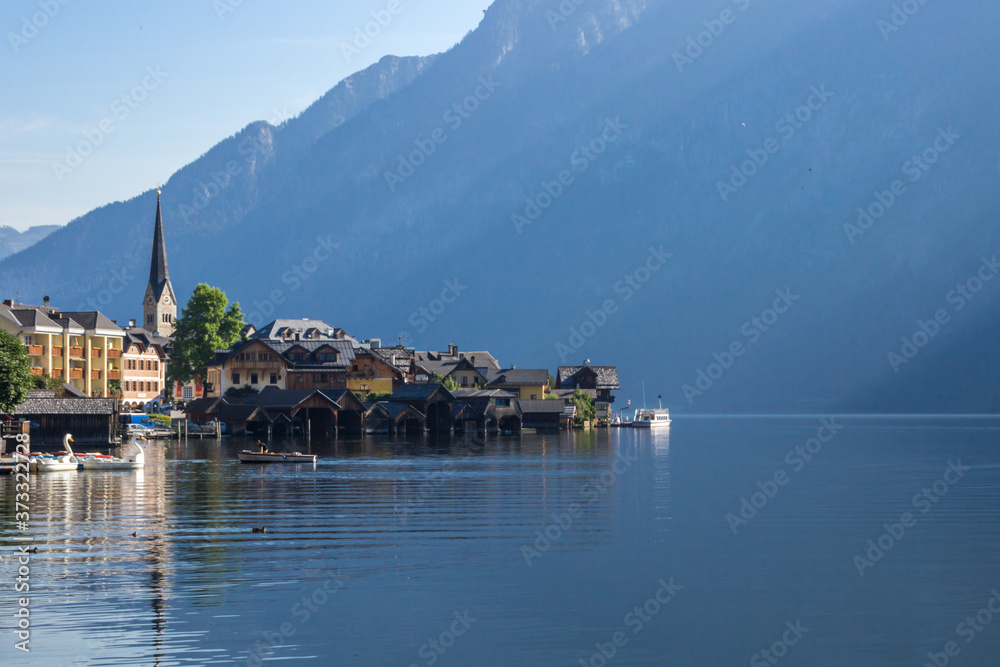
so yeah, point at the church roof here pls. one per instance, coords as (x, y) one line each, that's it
(159, 275)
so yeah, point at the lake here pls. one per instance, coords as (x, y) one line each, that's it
(724, 541)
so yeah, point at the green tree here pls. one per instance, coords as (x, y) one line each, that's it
(585, 410)
(204, 326)
(15, 372)
(46, 382)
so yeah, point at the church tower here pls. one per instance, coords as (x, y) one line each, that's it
(159, 307)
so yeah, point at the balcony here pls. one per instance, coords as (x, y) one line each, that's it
(37, 370)
(95, 375)
(57, 351)
(114, 375)
(114, 353)
(35, 350)
(95, 352)
(76, 352)
(57, 372)
(76, 374)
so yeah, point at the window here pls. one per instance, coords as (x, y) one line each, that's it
(503, 402)
(236, 378)
(188, 393)
(156, 365)
(465, 380)
(27, 340)
(355, 368)
(327, 357)
(156, 386)
(149, 319)
(298, 379)
(274, 378)
(253, 378)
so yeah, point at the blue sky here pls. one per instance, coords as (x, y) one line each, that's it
(192, 72)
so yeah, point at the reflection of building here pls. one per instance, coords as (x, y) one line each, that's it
(82, 349)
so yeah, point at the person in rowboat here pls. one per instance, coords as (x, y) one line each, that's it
(261, 448)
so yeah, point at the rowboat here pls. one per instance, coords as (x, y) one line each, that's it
(134, 461)
(246, 456)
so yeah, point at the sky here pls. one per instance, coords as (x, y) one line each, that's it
(103, 101)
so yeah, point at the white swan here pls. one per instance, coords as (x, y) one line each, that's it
(131, 462)
(67, 461)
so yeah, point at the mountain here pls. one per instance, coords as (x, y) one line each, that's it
(13, 241)
(522, 192)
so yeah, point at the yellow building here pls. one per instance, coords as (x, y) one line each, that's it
(83, 349)
(525, 383)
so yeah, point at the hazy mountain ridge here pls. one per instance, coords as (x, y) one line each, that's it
(552, 92)
(12, 241)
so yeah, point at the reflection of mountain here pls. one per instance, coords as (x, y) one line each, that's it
(321, 180)
(12, 241)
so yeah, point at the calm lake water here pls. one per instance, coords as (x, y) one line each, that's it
(530, 550)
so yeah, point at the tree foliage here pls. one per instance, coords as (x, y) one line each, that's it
(46, 382)
(15, 372)
(585, 409)
(205, 325)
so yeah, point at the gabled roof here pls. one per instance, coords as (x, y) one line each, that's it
(420, 392)
(94, 321)
(520, 377)
(278, 329)
(394, 410)
(607, 376)
(345, 398)
(397, 356)
(204, 405)
(159, 276)
(272, 398)
(68, 406)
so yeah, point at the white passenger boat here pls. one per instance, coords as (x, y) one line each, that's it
(134, 461)
(59, 462)
(247, 456)
(651, 418)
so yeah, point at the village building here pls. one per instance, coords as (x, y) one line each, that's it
(601, 380)
(143, 370)
(90, 420)
(83, 349)
(469, 370)
(525, 383)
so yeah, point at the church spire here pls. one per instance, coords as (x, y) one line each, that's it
(159, 276)
(159, 306)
